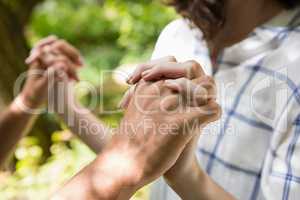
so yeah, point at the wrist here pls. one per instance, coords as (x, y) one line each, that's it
(115, 175)
(182, 169)
(20, 106)
(190, 178)
(28, 102)
(196, 184)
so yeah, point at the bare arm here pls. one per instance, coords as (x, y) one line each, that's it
(103, 179)
(136, 156)
(14, 124)
(18, 118)
(82, 121)
(194, 184)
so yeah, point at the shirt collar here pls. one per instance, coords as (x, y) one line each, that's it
(263, 39)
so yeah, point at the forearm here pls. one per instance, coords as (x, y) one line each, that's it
(83, 186)
(14, 124)
(87, 127)
(81, 121)
(103, 179)
(195, 184)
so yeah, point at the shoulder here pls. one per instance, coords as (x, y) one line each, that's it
(170, 37)
(178, 27)
(180, 40)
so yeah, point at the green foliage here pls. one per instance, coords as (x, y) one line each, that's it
(31, 181)
(109, 34)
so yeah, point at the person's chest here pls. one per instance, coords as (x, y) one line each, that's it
(253, 91)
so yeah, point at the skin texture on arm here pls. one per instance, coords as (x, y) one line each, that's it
(103, 179)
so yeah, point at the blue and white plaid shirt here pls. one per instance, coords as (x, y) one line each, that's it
(253, 152)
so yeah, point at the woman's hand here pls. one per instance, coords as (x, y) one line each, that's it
(49, 61)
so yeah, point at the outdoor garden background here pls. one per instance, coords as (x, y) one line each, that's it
(110, 34)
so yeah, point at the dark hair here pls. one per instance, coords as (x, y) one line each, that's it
(209, 15)
(290, 4)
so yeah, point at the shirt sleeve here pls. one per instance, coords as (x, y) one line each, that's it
(178, 39)
(167, 43)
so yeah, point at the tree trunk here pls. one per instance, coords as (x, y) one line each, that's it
(14, 15)
(13, 51)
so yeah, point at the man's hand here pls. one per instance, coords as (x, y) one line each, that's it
(168, 68)
(186, 177)
(149, 140)
(49, 60)
(164, 119)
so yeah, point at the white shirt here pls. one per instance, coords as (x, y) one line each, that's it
(253, 152)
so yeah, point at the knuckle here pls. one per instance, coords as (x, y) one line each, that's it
(171, 58)
(52, 36)
(193, 67)
(60, 43)
(194, 64)
(210, 79)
